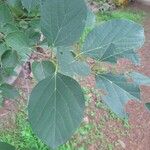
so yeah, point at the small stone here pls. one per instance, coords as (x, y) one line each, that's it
(122, 144)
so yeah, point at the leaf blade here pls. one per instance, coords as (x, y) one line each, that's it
(68, 65)
(140, 79)
(62, 103)
(9, 91)
(123, 35)
(30, 4)
(5, 14)
(62, 22)
(5, 146)
(118, 91)
(42, 69)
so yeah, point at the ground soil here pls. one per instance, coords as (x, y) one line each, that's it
(139, 118)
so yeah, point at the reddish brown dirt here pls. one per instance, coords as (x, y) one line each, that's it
(139, 118)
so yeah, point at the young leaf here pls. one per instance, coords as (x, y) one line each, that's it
(140, 79)
(42, 69)
(30, 4)
(113, 38)
(5, 15)
(69, 66)
(56, 107)
(9, 59)
(5, 146)
(147, 106)
(18, 41)
(118, 91)
(62, 22)
(8, 91)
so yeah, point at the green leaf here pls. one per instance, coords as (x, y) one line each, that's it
(1, 101)
(8, 91)
(147, 106)
(63, 22)
(5, 146)
(35, 24)
(68, 65)
(30, 4)
(10, 59)
(5, 14)
(18, 41)
(56, 107)
(91, 19)
(16, 8)
(42, 69)
(111, 55)
(131, 55)
(118, 91)
(8, 28)
(5, 73)
(3, 48)
(12, 2)
(113, 39)
(140, 79)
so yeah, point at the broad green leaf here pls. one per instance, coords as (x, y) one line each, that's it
(68, 65)
(112, 55)
(42, 69)
(91, 19)
(63, 22)
(140, 79)
(147, 106)
(5, 146)
(8, 28)
(113, 39)
(5, 73)
(5, 14)
(35, 24)
(3, 48)
(19, 41)
(16, 8)
(30, 4)
(10, 59)
(1, 101)
(33, 36)
(131, 55)
(12, 2)
(56, 107)
(8, 91)
(118, 91)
